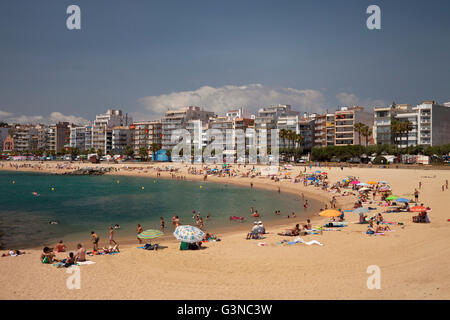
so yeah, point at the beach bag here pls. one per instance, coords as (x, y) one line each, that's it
(184, 246)
(45, 260)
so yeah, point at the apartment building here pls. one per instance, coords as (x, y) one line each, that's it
(101, 129)
(324, 130)
(81, 137)
(267, 119)
(345, 120)
(58, 137)
(430, 124)
(146, 133)
(25, 137)
(383, 117)
(120, 139)
(177, 119)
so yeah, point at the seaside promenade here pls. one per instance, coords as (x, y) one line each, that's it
(414, 260)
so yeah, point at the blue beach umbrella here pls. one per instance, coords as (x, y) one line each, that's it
(402, 200)
(189, 234)
(318, 171)
(311, 178)
(362, 184)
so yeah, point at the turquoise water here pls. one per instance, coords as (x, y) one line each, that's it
(84, 203)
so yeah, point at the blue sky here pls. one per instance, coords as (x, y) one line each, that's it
(147, 56)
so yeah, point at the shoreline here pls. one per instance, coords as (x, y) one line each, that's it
(128, 241)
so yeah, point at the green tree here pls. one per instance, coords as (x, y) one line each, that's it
(129, 151)
(143, 154)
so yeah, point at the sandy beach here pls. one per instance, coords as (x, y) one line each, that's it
(414, 260)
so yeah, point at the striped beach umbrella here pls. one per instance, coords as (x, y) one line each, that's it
(188, 234)
(150, 234)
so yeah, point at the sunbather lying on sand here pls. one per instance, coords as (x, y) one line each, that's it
(13, 253)
(291, 232)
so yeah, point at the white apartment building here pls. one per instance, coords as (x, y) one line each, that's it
(177, 119)
(101, 129)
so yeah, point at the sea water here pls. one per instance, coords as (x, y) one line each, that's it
(81, 204)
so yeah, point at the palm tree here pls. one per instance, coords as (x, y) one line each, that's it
(283, 135)
(291, 138)
(358, 127)
(299, 140)
(396, 128)
(408, 127)
(366, 132)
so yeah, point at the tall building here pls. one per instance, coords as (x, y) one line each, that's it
(58, 137)
(81, 137)
(25, 137)
(345, 120)
(324, 131)
(430, 124)
(383, 117)
(146, 133)
(267, 119)
(101, 129)
(120, 139)
(177, 119)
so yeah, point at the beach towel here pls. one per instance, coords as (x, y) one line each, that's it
(83, 263)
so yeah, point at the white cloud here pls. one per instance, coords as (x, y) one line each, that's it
(250, 97)
(53, 118)
(58, 116)
(350, 99)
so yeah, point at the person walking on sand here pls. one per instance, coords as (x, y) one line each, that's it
(138, 231)
(162, 223)
(111, 236)
(416, 195)
(94, 238)
(420, 184)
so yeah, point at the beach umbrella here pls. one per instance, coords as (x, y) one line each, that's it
(189, 234)
(418, 209)
(317, 171)
(365, 189)
(362, 184)
(150, 234)
(355, 182)
(324, 172)
(372, 182)
(361, 210)
(330, 213)
(386, 188)
(311, 178)
(402, 200)
(383, 182)
(391, 198)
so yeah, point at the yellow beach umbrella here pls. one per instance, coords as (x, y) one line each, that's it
(330, 213)
(372, 182)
